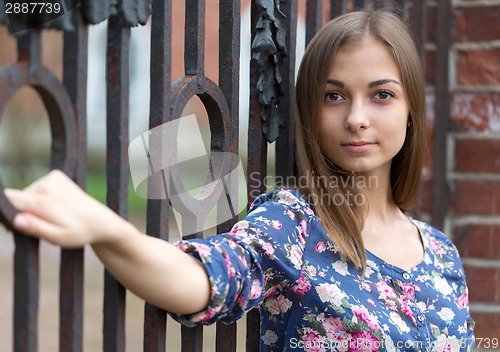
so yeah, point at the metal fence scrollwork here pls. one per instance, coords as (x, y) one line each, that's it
(29, 71)
(274, 38)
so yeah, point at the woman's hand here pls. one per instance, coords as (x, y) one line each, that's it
(55, 209)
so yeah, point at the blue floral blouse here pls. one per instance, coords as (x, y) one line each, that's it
(280, 259)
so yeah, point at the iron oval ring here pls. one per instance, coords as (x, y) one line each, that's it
(218, 114)
(61, 117)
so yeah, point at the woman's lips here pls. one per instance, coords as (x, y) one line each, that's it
(358, 147)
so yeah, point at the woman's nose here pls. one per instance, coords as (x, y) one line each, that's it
(357, 117)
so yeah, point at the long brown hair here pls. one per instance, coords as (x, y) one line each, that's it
(343, 221)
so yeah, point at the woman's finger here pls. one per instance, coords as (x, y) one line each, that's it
(59, 211)
(49, 182)
(46, 206)
(19, 199)
(33, 226)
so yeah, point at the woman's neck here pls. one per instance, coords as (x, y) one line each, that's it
(379, 205)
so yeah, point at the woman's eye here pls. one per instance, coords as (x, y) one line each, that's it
(332, 96)
(384, 95)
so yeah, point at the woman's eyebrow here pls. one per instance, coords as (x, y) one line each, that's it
(382, 81)
(335, 82)
(379, 82)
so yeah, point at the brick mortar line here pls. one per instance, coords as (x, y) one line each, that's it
(481, 263)
(459, 88)
(450, 156)
(475, 135)
(452, 69)
(447, 226)
(484, 308)
(461, 46)
(430, 46)
(474, 220)
(470, 176)
(461, 3)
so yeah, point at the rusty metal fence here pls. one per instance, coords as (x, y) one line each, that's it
(270, 117)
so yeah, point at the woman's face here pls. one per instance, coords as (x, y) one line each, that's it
(365, 110)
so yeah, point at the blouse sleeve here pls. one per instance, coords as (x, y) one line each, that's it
(463, 301)
(471, 340)
(266, 246)
(462, 297)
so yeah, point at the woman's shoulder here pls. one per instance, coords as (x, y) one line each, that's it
(439, 242)
(429, 229)
(281, 198)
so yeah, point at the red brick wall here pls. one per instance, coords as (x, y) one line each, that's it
(473, 152)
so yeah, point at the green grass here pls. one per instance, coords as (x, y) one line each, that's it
(96, 187)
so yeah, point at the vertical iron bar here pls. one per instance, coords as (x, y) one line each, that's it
(225, 338)
(253, 331)
(337, 8)
(441, 122)
(29, 48)
(192, 339)
(257, 166)
(117, 170)
(155, 319)
(229, 68)
(314, 18)
(358, 5)
(194, 38)
(285, 144)
(26, 255)
(257, 144)
(71, 267)
(194, 64)
(26, 279)
(419, 20)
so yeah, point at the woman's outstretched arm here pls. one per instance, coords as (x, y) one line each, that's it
(55, 209)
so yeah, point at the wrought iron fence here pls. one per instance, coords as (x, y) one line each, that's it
(270, 118)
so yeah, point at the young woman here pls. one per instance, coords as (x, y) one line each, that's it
(337, 266)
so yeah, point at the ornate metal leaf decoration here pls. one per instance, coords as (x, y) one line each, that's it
(268, 50)
(131, 12)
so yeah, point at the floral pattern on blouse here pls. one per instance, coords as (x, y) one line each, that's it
(280, 260)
